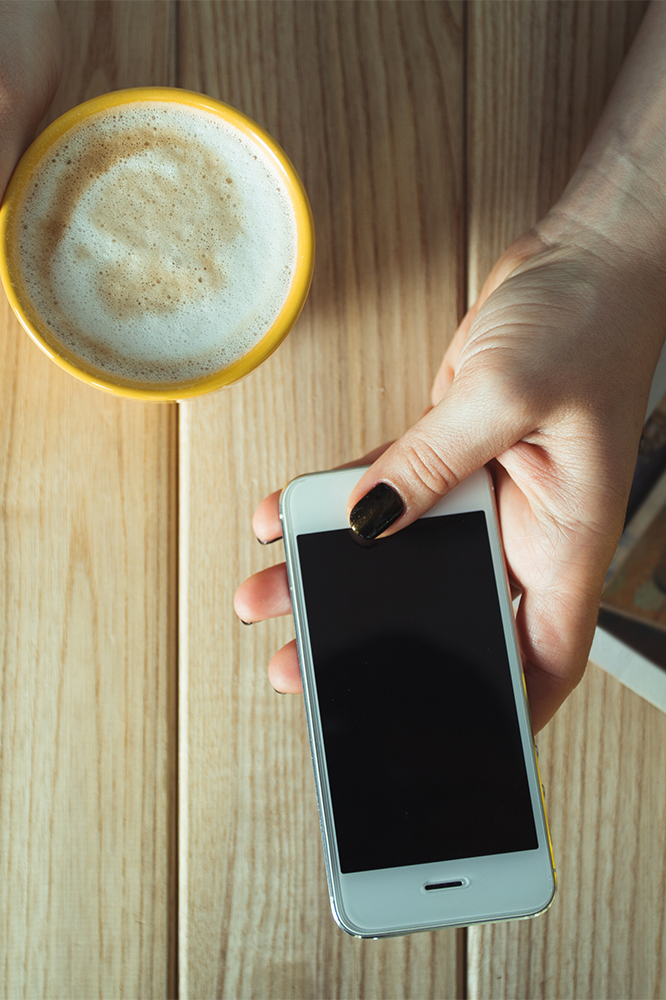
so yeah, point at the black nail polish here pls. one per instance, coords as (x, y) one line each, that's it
(245, 623)
(269, 541)
(376, 511)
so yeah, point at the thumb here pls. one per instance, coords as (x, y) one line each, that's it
(464, 431)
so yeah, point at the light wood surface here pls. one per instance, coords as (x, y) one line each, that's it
(88, 699)
(367, 101)
(158, 823)
(603, 763)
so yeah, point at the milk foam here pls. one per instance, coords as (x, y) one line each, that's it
(157, 243)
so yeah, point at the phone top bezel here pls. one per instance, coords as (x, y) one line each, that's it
(300, 515)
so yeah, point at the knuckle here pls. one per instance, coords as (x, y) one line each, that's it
(426, 467)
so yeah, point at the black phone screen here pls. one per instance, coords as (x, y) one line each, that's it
(420, 729)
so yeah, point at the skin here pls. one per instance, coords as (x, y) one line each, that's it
(546, 380)
(31, 57)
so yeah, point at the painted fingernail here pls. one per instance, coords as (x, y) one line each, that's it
(245, 623)
(269, 541)
(376, 511)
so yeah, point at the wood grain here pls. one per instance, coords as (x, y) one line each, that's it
(367, 101)
(603, 763)
(429, 135)
(539, 74)
(87, 552)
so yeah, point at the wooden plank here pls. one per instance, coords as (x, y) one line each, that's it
(603, 763)
(366, 98)
(87, 550)
(539, 74)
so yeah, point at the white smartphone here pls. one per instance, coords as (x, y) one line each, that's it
(430, 801)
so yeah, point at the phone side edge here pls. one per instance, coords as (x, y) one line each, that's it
(317, 755)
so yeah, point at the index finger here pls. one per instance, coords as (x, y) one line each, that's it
(266, 519)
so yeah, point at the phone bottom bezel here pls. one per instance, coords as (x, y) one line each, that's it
(393, 901)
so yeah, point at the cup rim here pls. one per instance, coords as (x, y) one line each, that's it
(291, 307)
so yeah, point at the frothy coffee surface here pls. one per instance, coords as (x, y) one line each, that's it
(156, 242)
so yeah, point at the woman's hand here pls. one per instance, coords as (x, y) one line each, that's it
(546, 379)
(30, 67)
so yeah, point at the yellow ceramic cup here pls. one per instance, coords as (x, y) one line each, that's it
(34, 324)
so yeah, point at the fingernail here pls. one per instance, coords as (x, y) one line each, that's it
(376, 511)
(245, 623)
(269, 541)
(278, 692)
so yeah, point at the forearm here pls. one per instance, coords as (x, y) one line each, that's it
(633, 125)
(618, 192)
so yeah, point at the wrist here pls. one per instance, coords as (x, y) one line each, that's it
(612, 216)
(615, 204)
(617, 196)
(610, 223)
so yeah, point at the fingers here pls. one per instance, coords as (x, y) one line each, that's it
(283, 670)
(266, 520)
(264, 595)
(476, 416)
(555, 638)
(560, 570)
(459, 435)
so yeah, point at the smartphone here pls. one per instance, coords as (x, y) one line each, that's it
(430, 801)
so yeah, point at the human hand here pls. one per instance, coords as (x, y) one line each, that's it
(30, 67)
(547, 379)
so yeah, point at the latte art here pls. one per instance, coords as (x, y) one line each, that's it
(157, 242)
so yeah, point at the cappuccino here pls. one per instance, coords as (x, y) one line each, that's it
(156, 242)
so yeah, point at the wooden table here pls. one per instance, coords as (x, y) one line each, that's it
(158, 824)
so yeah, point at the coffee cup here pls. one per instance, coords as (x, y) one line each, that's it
(156, 243)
